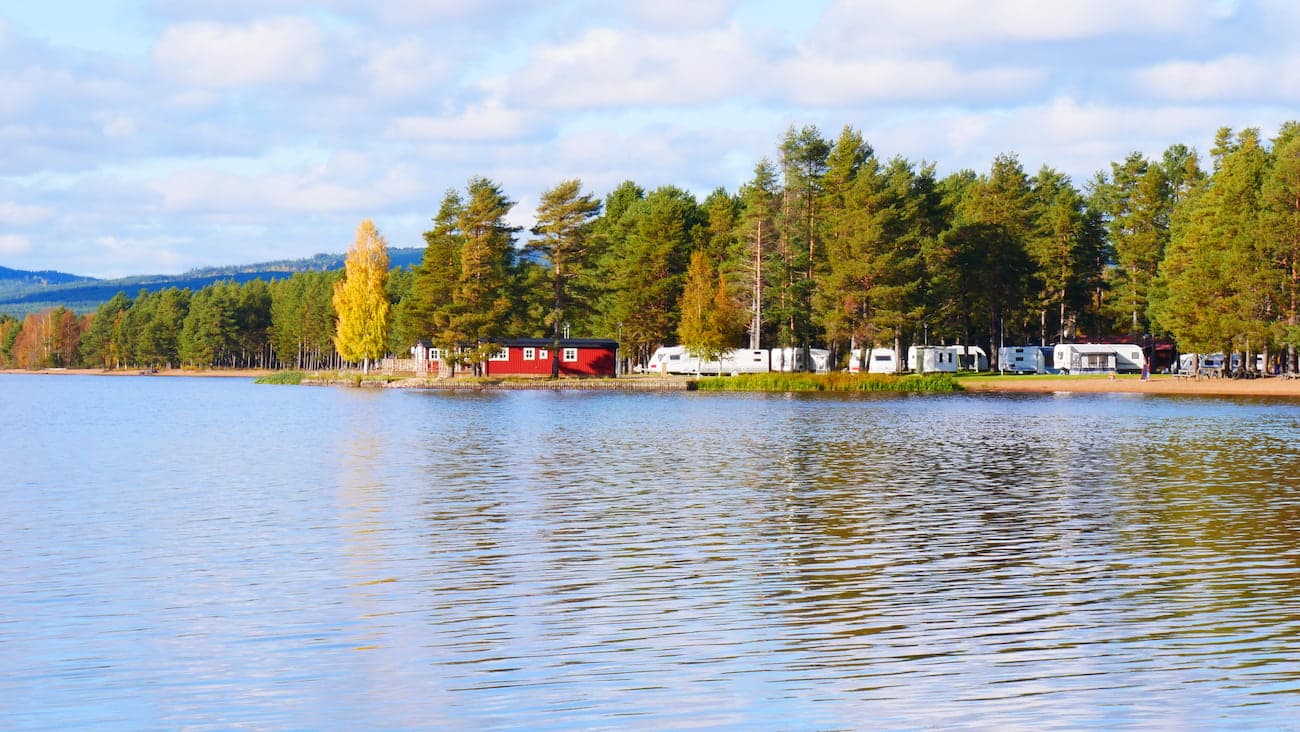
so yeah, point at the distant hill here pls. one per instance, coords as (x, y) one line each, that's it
(397, 257)
(23, 292)
(46, 277)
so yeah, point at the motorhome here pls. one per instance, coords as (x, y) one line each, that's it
(879, 361)
(1097, 358)
(932, 359)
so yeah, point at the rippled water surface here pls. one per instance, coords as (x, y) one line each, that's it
(212, 554)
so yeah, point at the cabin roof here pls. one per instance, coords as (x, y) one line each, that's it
(560, 343)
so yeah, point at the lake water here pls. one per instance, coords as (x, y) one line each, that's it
(214, 554)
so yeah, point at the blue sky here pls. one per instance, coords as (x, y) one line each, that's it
(154, 136)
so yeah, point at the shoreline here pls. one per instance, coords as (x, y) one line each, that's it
(202, 373)
(1161, 384)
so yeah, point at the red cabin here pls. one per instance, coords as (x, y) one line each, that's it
(532, 357)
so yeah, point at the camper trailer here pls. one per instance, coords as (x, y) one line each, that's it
(1097, 358)
(678, 360)
(879, 361)
(932, 359)
(792, 359)
(1025, 359)
(971, 358)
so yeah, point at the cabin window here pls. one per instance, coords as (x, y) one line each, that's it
(502, 355)
(530, 354)
(435, 354)
(570, 354)
(543, 354)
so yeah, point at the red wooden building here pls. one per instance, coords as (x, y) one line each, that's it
(532, 357)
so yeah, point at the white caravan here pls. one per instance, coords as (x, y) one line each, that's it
(879, 361)
(1024, 359)
(1097, 358)
(791, 359)
(932, 359)
(971, 358)
(678, 360)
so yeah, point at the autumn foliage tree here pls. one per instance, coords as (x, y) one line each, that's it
(360, 299)
(711, 321)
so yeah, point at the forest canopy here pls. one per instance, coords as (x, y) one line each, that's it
(827, 244)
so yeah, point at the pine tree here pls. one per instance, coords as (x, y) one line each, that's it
(1280, 222)
(481, 300)
(1211, 273)
(1063, 245)
(360, 300)
(426, 311)
(564, 222)
(644, 266)
(756, 241)
(803, 163)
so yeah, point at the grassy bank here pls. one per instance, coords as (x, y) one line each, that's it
(292, 378)
(783, 382)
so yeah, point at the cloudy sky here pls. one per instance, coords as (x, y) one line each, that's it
(154, 136)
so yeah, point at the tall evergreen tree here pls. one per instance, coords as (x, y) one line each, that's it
(756, 243)
(1063, 247)
(481, 299)
(644, 268)
(426, 311)
(1280, 224)
(1213, 298)
(803, 164)
(564, 222)
(101, 346)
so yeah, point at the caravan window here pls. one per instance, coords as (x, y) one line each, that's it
(881, 357)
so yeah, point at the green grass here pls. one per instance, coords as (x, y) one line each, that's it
(994, 376)
(292, 378)
(845, 382)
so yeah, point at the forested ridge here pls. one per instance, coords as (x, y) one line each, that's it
(828, 244)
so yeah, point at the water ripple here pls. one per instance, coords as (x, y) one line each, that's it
(337, 559)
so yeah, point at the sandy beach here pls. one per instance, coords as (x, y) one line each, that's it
(1157, 384)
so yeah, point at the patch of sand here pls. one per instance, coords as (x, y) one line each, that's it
(1157, 384)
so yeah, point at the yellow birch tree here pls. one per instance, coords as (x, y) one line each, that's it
(360, 300)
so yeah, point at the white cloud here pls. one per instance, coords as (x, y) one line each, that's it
(855, 24)
(612, 68)
(17, 214)
(1076, 138)
(488, 121)
(404, 13)
(681, 14)
(403, 68)
(231, 196)
(13, 244)
(1235, 77)
(826, 82)
(274, 51)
